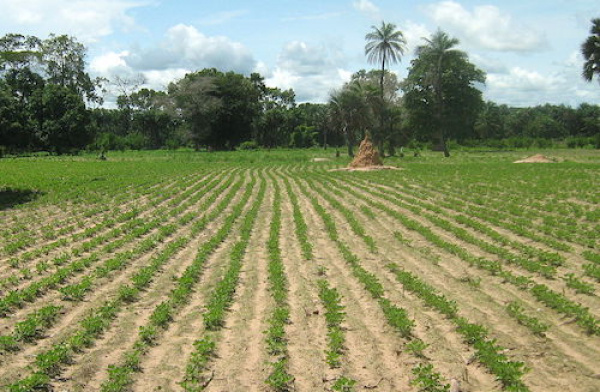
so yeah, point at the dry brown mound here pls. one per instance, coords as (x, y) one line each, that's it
(538, 158)
(367, 155)
(366, 168)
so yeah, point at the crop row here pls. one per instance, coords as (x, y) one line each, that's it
(220, 301)
(522, 210)
(541, 292)
(17, 298)
(163, 314)
(279, 378)
(58, 229)
(49, 363)
(77, 291)
(128, 221)
(489, 353)
(544, 266)
(395, 316)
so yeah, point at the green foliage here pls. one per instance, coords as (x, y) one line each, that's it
(35, 382)
(30, 329)
(343, 384)
(428, 380)
(195, 378)
(578, 285)
(334, 316)
(416, 347)
(8, 343)
(591, 52)
(440, 91)
(515, 310)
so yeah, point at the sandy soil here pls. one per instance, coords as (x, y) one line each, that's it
(564, 360)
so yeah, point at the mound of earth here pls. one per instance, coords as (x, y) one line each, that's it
(367, 155)
(366, 159)
(367, 168)
(538, 158)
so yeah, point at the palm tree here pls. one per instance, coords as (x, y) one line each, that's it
(384, 45)
(591, 52)
(349, 107)
(437, 49)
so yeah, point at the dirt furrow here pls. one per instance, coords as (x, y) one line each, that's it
(105, 288)
(306, 331)
(555, 285)
(373, 356)
(486, 306)
(241, 356)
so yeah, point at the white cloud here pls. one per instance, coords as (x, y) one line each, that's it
(86, 19)
(368, 8)
(110, 63)
(183, 50)
(160, 79)
(311, 70)
(489, 64)
(486, 27)
(414, 34)
(519, 79)
(186, 47)
(522, 87)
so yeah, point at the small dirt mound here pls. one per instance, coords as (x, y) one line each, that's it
(538, 158)
(367, 155)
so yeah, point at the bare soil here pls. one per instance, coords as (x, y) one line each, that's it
(376, 356)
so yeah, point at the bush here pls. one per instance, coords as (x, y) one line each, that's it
(249, 145)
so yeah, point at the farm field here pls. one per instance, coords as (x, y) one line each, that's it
(268, 271)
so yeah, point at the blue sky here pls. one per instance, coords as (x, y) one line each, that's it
(529, 49)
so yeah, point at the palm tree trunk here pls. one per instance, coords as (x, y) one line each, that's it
(381, 112)
(440, 109)
(349, 142)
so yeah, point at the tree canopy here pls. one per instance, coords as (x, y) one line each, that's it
(591, 52)
(48, 102)
(441, 93)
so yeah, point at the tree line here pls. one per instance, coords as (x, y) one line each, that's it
(48, 102)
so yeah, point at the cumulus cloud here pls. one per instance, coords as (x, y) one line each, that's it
(186, 47)
(486, 27)
(311, 70)
(86, 19)
(489, 64)
(519, 79)
(414, 34)
(523, 87)
(111, 63)
(368, 8)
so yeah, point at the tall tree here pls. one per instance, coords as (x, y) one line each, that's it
(62, 119)
(440, 90)
(385, 44)
(591, 52)
(194, 99)
(64, 59)
(352, 112)
(19, 51)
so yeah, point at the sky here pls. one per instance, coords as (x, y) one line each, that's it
(530, 49)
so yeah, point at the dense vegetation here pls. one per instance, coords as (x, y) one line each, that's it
(48, 102)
